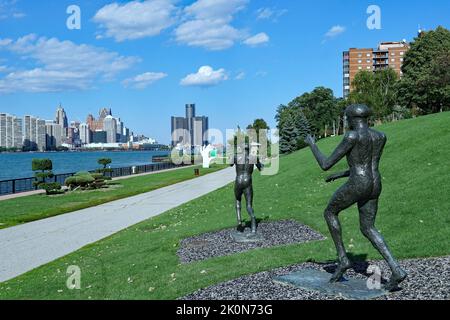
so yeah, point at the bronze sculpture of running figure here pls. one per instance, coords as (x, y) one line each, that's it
(363, 148)
(245, 163)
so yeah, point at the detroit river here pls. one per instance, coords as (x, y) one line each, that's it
(18, 165)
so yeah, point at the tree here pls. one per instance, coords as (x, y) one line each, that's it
(43, 171)
(104, 162)
(258, 124)
(320, 109)
(425, 85)
(377, 90)
(289, 135)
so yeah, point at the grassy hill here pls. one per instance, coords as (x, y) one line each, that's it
(141, 262)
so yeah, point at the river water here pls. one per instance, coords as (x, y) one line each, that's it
(18, 165)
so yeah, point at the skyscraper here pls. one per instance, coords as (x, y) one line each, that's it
(110, 127)
(3, 130)
(191, 130)
(85, 133)
(61, 117)
(17, 133)
(10, 131)
(53, 135)
(387, 55)
(41, 136)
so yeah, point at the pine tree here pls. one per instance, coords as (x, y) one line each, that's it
(289, 135)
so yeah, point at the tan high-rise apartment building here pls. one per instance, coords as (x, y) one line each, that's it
(387, 55)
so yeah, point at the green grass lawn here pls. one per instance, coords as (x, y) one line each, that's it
(31, 208)
(141, 262)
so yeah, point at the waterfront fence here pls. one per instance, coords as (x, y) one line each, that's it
(14, 186)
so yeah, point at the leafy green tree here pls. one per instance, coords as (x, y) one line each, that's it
(378, 90)
(425, 85)
(320, 109)
(259, 124)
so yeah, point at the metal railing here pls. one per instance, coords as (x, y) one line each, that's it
(13, 186)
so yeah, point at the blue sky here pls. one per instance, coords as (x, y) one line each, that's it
(142, 58)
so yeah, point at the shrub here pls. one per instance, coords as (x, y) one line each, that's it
(42, 168)
(104, 162)
(86, 180)
(52, 188)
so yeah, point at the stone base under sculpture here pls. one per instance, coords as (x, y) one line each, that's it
(246, 236)
(310, 279)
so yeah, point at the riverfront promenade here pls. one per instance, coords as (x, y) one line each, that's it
(28, 246)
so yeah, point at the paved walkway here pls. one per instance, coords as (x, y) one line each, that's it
(28, 246)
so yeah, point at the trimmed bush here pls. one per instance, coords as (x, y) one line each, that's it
(42, 168)
(86, 181)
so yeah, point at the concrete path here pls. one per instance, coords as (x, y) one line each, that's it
(28, 246)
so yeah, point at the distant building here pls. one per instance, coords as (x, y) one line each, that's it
(110, 127)
(10, 131)
(387, 55)
(3, 130)
(41, 136)
(85, 133)
(30, 133)
(54, 134)
(97, 124)
(61, 117)
(191, 130)
(99, 137)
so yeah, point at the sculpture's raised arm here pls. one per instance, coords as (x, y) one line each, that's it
(340, 152)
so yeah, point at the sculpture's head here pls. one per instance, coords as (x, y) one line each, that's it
(356, 114)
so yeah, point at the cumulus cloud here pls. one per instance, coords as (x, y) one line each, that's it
(257, 40)
(56, 65)
(135, 19)
(206, 76)
(142, 81)
(335, 31)
(208, 24)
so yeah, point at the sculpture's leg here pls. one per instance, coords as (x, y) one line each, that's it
(249, 200)
(238, 194)
(367, 215)
(342, 199)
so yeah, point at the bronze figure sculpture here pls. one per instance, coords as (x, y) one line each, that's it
(245, 163)
(363, 148)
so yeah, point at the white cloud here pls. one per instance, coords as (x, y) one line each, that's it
(136, 19)
(55, 65)
(142, 81)
(205, 77)
(240, 76)
(335, 31)
(270, 13)
(8, 9)
(256, 40)
(208, 24)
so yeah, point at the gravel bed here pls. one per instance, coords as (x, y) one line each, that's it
(216, 244)
(428, 279)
